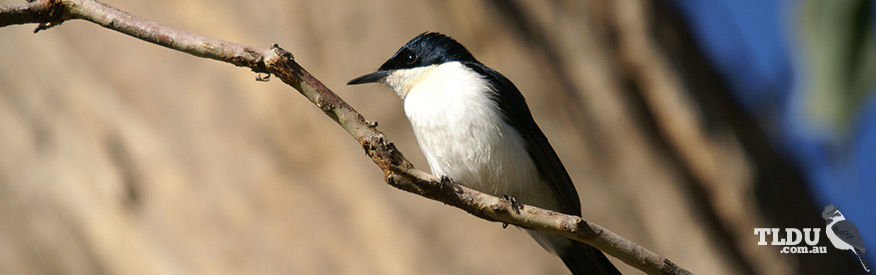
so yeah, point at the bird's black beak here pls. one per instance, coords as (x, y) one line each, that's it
(370, 78)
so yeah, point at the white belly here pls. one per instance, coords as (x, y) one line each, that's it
(463, 135)
(834, 239)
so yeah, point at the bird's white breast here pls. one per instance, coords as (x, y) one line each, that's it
(463, 135)
(834, 239)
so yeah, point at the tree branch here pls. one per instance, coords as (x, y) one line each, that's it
(32, 12)
(398, 171)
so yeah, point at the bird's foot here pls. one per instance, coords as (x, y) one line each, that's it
(516, 206)
(445, 181)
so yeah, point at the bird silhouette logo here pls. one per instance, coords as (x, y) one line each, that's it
(843, 234)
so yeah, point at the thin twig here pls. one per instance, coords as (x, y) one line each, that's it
(398, 171)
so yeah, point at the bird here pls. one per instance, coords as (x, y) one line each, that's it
(843, 234)
(474, 127)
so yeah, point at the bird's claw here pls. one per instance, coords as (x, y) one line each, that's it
(445, 181)
(516, 206)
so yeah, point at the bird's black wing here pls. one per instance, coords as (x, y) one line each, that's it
(518, 116)
(848, 232)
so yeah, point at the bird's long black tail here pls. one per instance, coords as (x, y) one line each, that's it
(861, 259)
(584, 259)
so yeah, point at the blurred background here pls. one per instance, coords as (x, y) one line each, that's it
(684, 124)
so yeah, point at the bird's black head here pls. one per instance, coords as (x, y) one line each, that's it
(426, 49)
(829, 212)
(429, 48)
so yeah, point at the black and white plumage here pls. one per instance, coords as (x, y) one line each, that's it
(843, 234)
(474, 127)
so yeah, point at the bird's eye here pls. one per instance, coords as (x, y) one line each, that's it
(410, 58)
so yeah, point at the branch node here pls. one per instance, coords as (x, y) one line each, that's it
(47, 25)
(498, 208)
(281, 52)
(263, 78)
(324, 104)
(41, 26)
(48, 14)
(258, 65)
